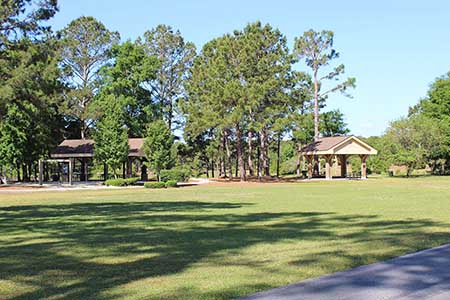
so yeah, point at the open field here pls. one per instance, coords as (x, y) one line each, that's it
(210, 242)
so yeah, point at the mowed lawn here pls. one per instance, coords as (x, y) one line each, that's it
(212, 241)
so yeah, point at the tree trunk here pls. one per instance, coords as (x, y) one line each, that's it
(18, 172)
(25, 173)
(212, 168)
(222, 169)
(82, 129)
(299, 158)
(264, 152)
(316, 105)
(250, 154)
(278, 154)
(240, 157)
(227, 147)
(258, 167)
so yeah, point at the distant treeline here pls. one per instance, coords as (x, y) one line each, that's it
(224, 110)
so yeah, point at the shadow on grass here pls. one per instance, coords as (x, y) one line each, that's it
(166, 238)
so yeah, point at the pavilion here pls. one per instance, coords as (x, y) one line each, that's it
(78, 153)
(336, 150)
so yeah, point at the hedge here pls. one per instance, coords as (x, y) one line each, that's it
(115, 182)
(178, 175)
(121, 181)
(155, 185)
(171, 184)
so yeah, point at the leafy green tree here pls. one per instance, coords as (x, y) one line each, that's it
(86, 48)
(111, 138)
(30, 122)
(333, 123)
(414, 141)
(24, 18)
(316, 48)
(176, 57)
(157, 146)
(124, 78)
(436, 105)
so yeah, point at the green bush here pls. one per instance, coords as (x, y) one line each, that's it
(171, 183)
(115, 182)
(155, 185)
(131, 181)
(176, 174)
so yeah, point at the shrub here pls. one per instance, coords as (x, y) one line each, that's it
(178, 175)
(115, 182)
(171, 184)
(155, 185)
(131, 181)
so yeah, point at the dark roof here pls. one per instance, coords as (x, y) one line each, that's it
(85, 148)
(325, 143)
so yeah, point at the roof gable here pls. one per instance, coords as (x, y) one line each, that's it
(85, 148)
(339, 145)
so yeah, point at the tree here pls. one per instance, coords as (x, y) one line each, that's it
(317, 50)
(124, 78)
(24, 18)
(111, 138)
(436, 105)
(157, 146)
(30, 121)
(333, 123)
(176, 57)
(86, 48)
(414, 140)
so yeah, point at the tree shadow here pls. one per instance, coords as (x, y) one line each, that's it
(163, 238)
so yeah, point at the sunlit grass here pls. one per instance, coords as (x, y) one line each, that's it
(210, 242)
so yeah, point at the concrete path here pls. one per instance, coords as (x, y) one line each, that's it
(423, 275)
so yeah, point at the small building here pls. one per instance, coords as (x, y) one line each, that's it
(337, 149)
(78, 153)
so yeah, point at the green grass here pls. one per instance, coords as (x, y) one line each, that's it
(210, 242)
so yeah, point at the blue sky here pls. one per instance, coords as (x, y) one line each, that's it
(395, 49)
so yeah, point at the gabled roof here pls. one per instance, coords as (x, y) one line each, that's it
(85, 148)
(338, 145)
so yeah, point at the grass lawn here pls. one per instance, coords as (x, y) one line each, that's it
(210, 242)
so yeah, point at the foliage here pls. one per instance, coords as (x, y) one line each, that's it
(86, 46)
(176, 57)
(111, 138)
(155, 185)
(171, 183)
(333, 123)
(121, 181)
(115, 182)
(436, 105)
(24, 18)
(316, 48)
(131, 180)
(30, 123)
(157, 146)
(414, 141)
(175, 174)
(124, 78)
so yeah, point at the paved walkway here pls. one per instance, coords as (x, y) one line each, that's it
(423, 275)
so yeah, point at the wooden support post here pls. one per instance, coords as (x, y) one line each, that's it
(105, 171)
(129, 167)
(363, 166)
(309, 160)
(343, 162)
(70, 171)
(328, 164)
(41, 172)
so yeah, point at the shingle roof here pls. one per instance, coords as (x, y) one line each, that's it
(85, 148)
(325, 143)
